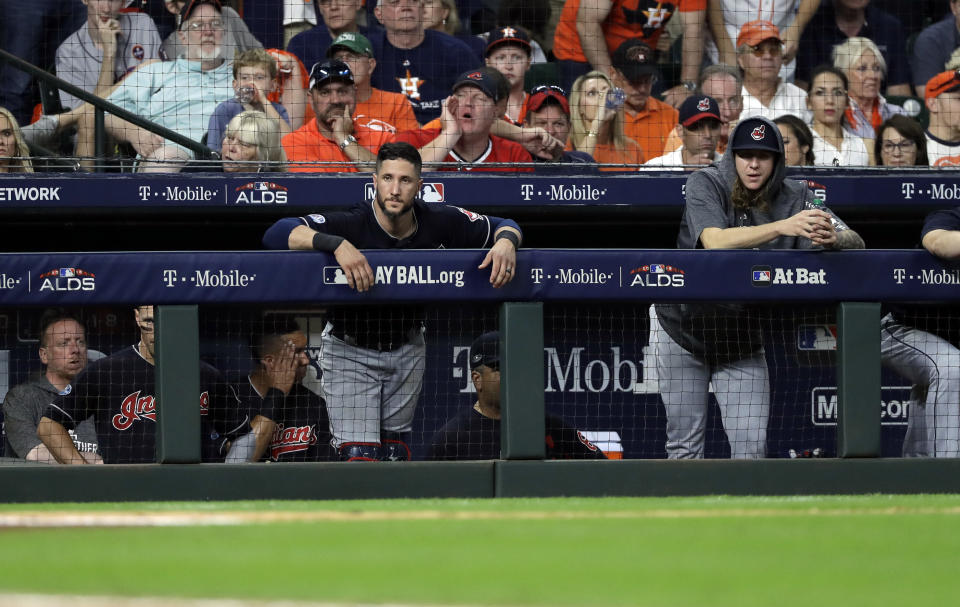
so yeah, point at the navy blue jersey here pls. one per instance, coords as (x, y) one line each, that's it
(438, 226)
(119, 392)
(944, 219)
(303, 429)
(426, 73)
(472, 436)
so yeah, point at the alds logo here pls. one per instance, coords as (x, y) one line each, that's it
(291, 439)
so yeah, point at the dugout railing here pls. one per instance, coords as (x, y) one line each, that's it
(856, 281)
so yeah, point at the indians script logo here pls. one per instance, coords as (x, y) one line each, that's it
(703, 105)
(759, 133)
(291, 439)
(261, 192)
(133, 409)
(67, 280)
(475, 76)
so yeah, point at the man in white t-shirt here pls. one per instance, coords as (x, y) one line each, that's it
(943, 135)
(727, 17)
(760, 56)
(699, 129)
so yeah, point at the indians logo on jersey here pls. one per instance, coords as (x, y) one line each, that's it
(410, 86)
(759, 133)
(470, 214)
(134, 408)
(650, 15)
(291, 439)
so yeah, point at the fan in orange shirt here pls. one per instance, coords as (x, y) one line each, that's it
(332, 140)
(597, 130)
(590, 30)
(376, 109)
(464, 137)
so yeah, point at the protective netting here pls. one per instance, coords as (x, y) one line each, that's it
(423, 383)
(318, 86)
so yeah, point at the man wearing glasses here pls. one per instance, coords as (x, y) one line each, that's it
(760, 56)
(180, 95)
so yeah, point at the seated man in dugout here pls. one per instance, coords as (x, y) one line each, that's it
(474, 434)
(63, 352)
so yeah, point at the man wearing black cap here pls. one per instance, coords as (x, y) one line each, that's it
(647, 120)
(698, 129)
(332, 138)
(464, 137)
(742, 202)
(508, 52)
(475, 433)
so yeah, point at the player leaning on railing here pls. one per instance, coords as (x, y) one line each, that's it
(373, 358)
(742, 202)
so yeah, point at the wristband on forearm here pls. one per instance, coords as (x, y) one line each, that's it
(326, 242)
(509, 235)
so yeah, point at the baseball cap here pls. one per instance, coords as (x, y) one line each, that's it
(944, 82)
(485, 350)
(634, 59)
(754, 32)
(540, 94)
(352, 41)
(329, 71)
(192, 5)
(698, 107)
(480, 79)
(505, 35)
(756, 134)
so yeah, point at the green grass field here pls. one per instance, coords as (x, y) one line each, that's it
(806, 551)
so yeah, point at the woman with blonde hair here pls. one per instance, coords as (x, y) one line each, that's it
(250, 137)
(596, 130)
(14, 153)
(863, 64)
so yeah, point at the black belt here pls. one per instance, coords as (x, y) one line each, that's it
(380, 342)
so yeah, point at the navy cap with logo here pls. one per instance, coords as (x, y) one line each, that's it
(480, 79)
(329, 71)
(192, 5)
(634, 59)
(755, 134)
(697, 108)
(508, 35)
(485, 350)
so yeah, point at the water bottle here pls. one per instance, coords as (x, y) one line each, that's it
(817, 204)
(615, 99)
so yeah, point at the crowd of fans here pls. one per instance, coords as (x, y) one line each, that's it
(412, 70)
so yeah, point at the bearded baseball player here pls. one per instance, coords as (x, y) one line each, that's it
(119, 393)
(373, 357)
(742, 202)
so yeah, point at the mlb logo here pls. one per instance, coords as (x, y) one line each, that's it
(333, 275)
(762, 276)
(432, 192)
(816, 337)
(657, 268)
(68, 272)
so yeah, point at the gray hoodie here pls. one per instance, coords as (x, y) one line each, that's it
(727, 332)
